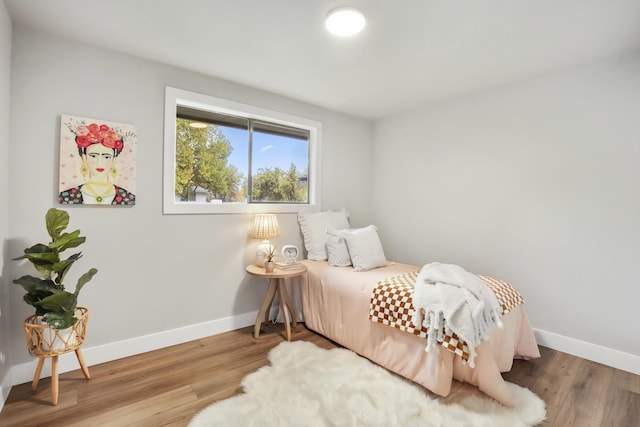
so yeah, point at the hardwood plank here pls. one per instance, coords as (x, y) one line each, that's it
(168, 387)
(152, 411)
(622, 408)
(628, 382)
(584, 404)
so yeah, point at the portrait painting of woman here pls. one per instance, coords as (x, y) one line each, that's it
(97, 162)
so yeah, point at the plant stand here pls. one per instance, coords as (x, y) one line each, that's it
(44, 341)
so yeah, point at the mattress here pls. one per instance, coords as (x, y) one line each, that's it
(336, 303)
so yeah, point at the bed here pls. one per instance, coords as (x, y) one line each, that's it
(336, 302)
(346, 266)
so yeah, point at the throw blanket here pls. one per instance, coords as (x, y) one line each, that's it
(448, 299)
(392, 305)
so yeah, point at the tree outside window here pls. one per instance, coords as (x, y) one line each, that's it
(206, 170)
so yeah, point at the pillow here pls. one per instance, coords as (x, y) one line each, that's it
(337, 250)
(365, 248)
(314, 230)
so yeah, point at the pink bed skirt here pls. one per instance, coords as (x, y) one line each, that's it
(336, 301)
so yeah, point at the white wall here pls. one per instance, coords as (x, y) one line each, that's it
(537, 184)
(5, 80)
(156, 272)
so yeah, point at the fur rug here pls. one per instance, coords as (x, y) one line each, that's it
(309, 386)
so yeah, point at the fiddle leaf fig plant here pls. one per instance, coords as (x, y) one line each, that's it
(47, 293)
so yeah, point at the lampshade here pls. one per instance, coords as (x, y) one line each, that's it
(265, 226)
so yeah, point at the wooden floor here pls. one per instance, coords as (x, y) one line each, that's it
(167, 387)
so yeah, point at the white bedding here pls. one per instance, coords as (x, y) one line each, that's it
(336, 303)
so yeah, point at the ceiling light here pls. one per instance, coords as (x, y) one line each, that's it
(198, 125)
(345, 21)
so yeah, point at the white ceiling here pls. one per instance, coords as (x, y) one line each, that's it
(411, 53)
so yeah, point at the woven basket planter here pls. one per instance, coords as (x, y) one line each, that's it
(45, 341)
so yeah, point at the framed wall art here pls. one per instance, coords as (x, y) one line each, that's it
(97, 162)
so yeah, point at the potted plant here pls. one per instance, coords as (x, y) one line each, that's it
(269, 254)
(53, 304)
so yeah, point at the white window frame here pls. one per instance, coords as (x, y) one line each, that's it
(175, 97)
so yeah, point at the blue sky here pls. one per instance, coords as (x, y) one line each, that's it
(269, 151)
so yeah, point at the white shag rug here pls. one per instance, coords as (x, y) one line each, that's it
(308, 386)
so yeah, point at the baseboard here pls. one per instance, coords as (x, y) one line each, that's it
(5, 387)
(596, 353)
(23, 373)
(117, 350)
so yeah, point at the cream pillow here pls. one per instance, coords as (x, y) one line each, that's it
(337, 250)
(314, 230)
(365, 248)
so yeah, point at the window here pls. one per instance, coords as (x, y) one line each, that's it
(225, 157)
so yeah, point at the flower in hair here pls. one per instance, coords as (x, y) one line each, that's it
(87, 135)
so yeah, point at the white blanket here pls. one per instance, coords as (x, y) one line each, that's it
(447, 298)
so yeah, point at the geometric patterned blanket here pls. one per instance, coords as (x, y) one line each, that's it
(392, 304)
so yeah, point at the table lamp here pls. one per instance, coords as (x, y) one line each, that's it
(265, 226)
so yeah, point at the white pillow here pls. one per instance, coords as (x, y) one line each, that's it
(337, 250)
(365, 248)
(314, 230)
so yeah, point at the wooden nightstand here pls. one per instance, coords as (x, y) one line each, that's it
(276, 283)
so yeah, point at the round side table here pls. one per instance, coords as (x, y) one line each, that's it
(276, 284)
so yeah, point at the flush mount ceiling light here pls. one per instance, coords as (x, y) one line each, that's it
(345, 21)
(198, 125)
